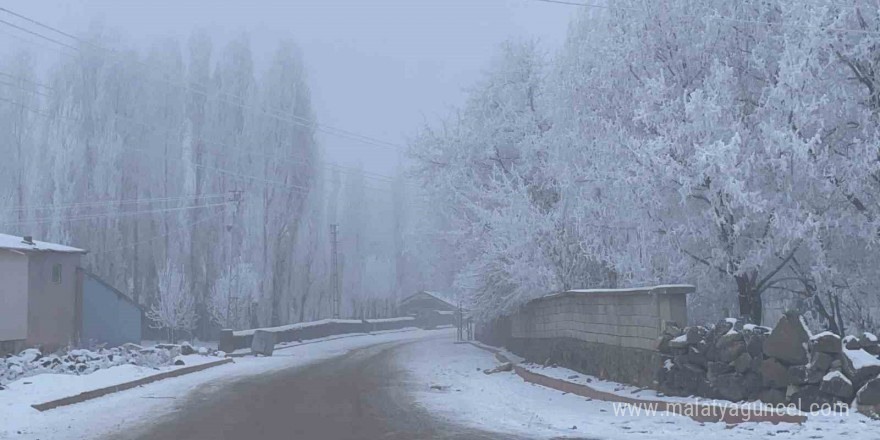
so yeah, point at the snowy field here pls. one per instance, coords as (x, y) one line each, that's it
(112, 415)
(458, 390)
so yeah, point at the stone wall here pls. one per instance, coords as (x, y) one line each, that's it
(608, 333)
(636, 336)
(785, 365)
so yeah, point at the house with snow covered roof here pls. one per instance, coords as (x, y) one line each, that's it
(38, 293)
(432, 308)
(49, 301)
(424, 301)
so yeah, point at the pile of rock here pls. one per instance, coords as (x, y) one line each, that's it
(32, 361)
(783, 365)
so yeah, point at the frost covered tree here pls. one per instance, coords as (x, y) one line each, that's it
(138, 157)
(727, 144)
(233, 297)
(508, 209)
(174, 309)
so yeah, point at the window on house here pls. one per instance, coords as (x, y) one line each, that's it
(56, 274)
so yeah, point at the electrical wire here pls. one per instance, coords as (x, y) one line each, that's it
(44, 220)
(111, 202)
(156, 237)
(244, 151)
(277, 114)
(195, 164)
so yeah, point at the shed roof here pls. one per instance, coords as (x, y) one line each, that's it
(435, 295)
(118, 293)
(16, 243)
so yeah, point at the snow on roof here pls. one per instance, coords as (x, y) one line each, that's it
(436, 295)
(16, 243)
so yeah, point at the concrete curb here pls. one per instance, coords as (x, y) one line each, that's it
(696, 411)
(94, 394)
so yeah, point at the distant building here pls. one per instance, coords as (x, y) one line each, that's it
(37, 293)
(105, 315)
(421, 302)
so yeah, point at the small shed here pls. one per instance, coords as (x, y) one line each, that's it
(105, 315)
(424, 302)
(37, 293)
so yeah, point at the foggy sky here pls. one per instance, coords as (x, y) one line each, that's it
(377, 67)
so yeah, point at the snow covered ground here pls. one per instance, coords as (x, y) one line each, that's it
(457, 389)
(46, 387)
(121, 412)
(79, 362)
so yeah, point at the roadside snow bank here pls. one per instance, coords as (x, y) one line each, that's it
(457, 389)
(32, 362)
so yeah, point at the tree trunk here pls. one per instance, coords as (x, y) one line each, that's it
(750, 306)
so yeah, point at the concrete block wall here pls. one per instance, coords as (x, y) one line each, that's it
(631, 318)
(610, 333)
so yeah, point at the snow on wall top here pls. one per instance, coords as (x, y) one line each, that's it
(661, 290)
(297, 326)
(302, 325)
(16, 243)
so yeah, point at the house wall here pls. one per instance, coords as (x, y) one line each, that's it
(13, 297)
(107, 317)
(610, 334)
(51, 306)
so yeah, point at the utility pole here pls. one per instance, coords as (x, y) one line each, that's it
(230, 299)
(334, 249)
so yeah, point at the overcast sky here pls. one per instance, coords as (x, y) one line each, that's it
(376, 67)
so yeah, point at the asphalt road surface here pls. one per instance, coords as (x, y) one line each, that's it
(361, 395)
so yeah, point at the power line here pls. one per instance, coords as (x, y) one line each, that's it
(38, 35)
(35, 92)
(198, 165)
(166, 234)
(192, 163)
(277, 114)
(114, 202)
(232, 174)
(244, 151)
(44, 220)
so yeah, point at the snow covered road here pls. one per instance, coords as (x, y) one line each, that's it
(364, 394)
(407, 385)
(139, 412)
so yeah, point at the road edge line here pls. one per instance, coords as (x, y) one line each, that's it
(94, 394)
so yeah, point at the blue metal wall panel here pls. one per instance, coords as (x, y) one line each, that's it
(107, 318)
